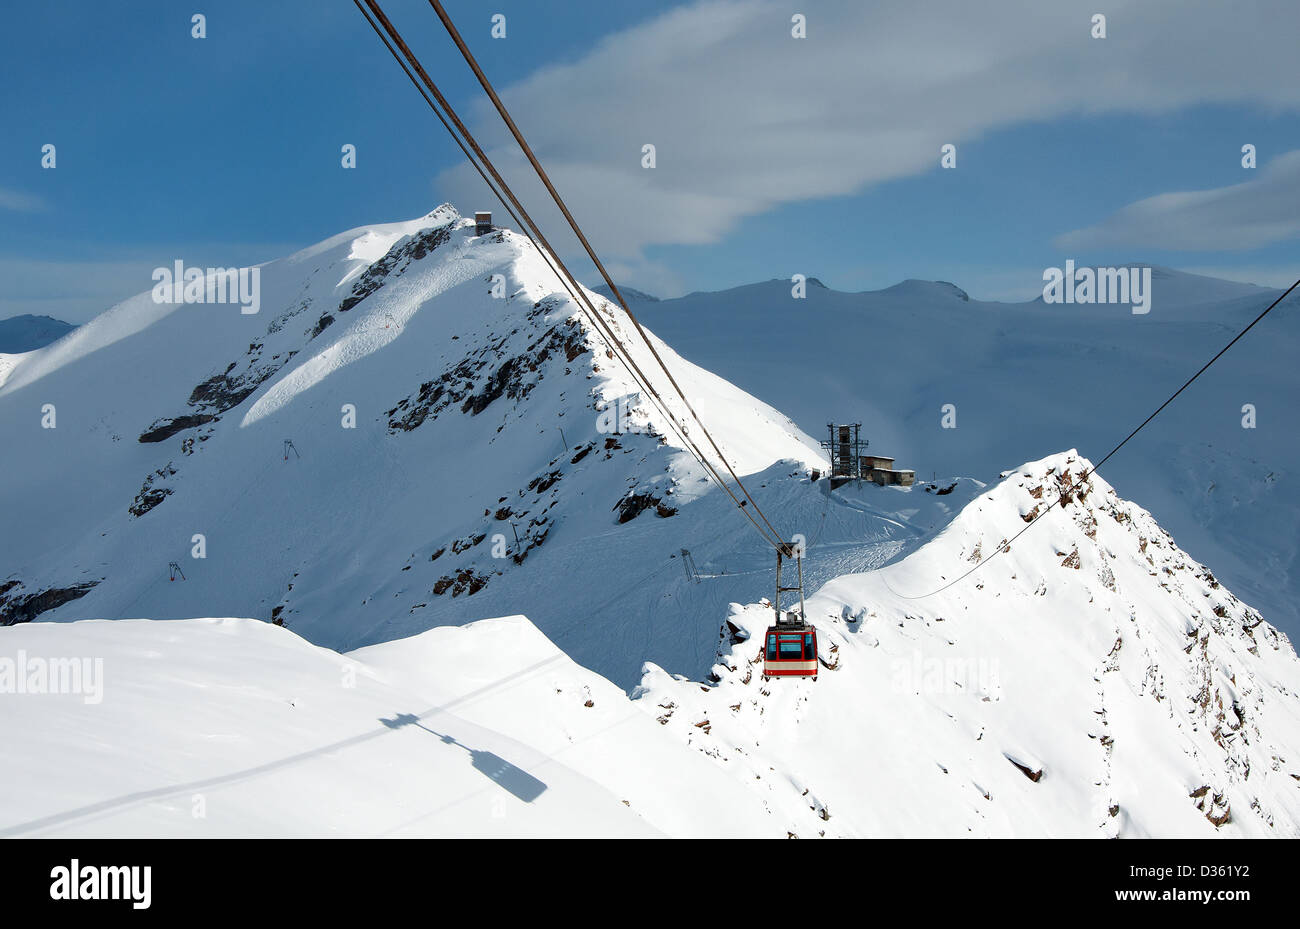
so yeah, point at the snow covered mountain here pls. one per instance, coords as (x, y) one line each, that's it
(1092, 680)
(1025, 379)
(27, 333)
(415, 434)
(630, 294)
(452, 457)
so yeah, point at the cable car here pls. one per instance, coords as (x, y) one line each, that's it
(790, 645)
(790, 649)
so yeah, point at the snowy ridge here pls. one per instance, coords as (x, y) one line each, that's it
(465, 375)
(1092, 680)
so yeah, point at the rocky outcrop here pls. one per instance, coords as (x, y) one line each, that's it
(220, 393)
(166, 428)
(483, 377)
(18, 607)
(398, 258)
(634, 504)
(152, 493)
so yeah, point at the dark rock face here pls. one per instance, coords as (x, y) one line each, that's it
(166, 428)
(151, 494)
(397, 260)
(147, 499)
(282, 320)
(475, 383)
(325, 321)
(465, 544)
(219, 393)
(633, 505)
(544, 482)
(465, 581)
(1035, 774)
(16, 607)
(223, 392)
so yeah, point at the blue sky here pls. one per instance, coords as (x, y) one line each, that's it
(775, 155)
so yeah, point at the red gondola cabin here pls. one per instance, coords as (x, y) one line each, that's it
(790, 649)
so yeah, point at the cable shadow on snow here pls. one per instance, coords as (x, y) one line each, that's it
(137, 798)
(514, 779)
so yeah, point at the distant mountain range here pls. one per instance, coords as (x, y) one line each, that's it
(27, 333)
(952, 385)
(631, 295)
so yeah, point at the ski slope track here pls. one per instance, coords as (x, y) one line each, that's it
(460, 604)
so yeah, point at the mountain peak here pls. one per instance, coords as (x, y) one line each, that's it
(630, 294)
(932, 290)
(26, 333)
(425, 375)
(1089, 679)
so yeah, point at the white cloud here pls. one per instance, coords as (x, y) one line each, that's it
(746, 118)
(19, 202)
(1257, 212)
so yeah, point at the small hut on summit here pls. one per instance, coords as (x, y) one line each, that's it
(845, 446)
(882, 471)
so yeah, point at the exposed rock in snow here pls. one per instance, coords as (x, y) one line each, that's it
(1123, 692)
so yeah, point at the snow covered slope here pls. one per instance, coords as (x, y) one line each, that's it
(1090, 681)
(236, 727)
(1093, 680)
(1027, 379)
(448, 462)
